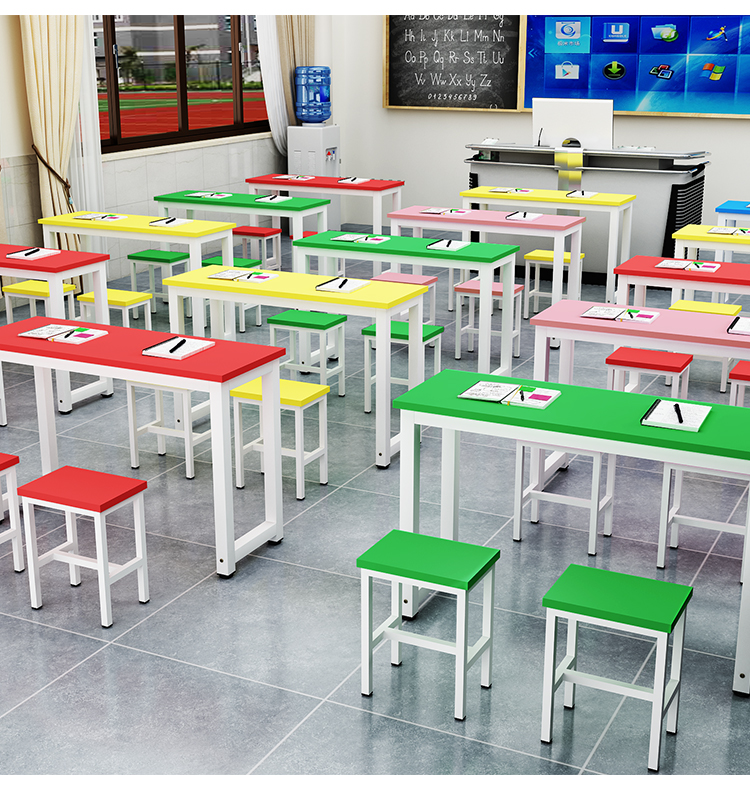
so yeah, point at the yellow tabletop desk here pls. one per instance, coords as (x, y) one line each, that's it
(193, 234)
(618, 207)
(377, 301)
(691, 238)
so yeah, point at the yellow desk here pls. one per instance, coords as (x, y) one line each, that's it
(378, 301)
(618, 207)
(691, 238)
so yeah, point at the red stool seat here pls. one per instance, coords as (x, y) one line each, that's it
(649, 359)
(82, 489)
(471, 287)
(255, 232)
(305, 234)
(6, 461)
(740, 372)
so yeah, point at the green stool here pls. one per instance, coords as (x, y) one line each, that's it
(399, 334)
(647, 607)
(301, 324)
(239, 263)
(165, 259)
(405, 558)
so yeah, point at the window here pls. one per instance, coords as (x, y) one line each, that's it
(169, 79)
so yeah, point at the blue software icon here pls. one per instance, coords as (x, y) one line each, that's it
(616, 32)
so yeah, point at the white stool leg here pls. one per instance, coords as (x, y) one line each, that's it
(436, 355)
(366, 633)
(146, 315)
(596, 476)
(152, 282)
(488, 608)
(140, 547)
(462, 623)
(32, 554)
(342, 359)
(368, 374)
(71, 533)
(299, 451)
(657, 705)
(239, 447)
(517, 322)
(14, 517)
(102, 567)
(526, 273)
(459, 311)
(323, 438)
(161, 441)
(133, 283)
(536, 286)
(678, 640)
(470, 323)
(734, 399)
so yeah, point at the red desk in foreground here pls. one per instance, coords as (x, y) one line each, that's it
(641, 272)
(216, 371)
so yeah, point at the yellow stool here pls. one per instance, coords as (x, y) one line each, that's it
(539, 258)
(33, 290)
(124, 301)
(295, 396)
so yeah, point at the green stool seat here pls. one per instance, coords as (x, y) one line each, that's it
(301, 325)
(447, 566)
(305, 319)
(399, 334)
(162, 257)
(646, 607)
(237, 263)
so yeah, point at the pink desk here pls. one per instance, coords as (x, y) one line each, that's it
(548, 226)
(641, 272)
(325, 186)
(55, 269)
(216, 371)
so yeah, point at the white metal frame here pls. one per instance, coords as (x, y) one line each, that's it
(664, 695)
(124, 310)
(108, 572)
(11, 502)
(466, 655)
(471, 329)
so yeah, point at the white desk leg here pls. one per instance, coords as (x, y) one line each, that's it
(558, 264)
(62, 377)
(409, 474)
(221, 462)
(612, 245)
(101, 312)
(508, 272)
(416, 351)
(575, 270)
(377, 227)
(176, 312)
(199, 316)
(383, 389)
(298, 263)
(485, 323)
(565, 372)
(271, 425)
(741, 683)
(541, 354)
(627, 229)
(45, 412)
(449, 477)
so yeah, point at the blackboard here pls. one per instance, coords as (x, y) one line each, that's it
(452, 61)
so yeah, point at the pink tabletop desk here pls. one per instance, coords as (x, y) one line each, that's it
(641, 272)
(216, 371)
(548, 226)
(54, 269)
(325, 186)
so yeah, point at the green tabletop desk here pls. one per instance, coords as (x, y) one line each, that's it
(582, 419)
(484, 258)
(378, 301)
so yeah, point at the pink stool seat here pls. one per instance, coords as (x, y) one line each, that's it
(6, 461)
(409, 279)
(82, 489)
(649, 359)
(471, 287)
(255, 232)
(741, 371)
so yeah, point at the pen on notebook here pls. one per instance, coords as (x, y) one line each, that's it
(31, 252)
(678, 412)
(522, 398)
(171, 219)
(176, 346)
(448, 243)
(343, 282)
(68, 334)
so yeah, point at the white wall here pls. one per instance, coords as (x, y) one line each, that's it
(426, 148)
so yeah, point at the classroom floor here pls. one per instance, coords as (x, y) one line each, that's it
(260, 673)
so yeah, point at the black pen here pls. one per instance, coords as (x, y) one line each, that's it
(522, 393)
(678, 412)
(171, 219)
(68, 334)
(31, 252)
(448, 243)
(343, 282)
(175, 347)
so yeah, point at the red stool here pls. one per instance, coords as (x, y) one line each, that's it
(94, 494)
(636, 360)
(413, 279)
(739, 378)
(258, 238)
(8, 465)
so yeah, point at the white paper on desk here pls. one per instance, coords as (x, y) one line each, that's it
(273, 199)
(78, 335)
(46, 331)
(256, 277)
(353, 180)
(342, 285)
(227, 274)
(522, 216)
(721, 230)
(456, 211)
(603, 311)
(294, 178)
(349, 237)
(40, 253)
(632, 315)
(664, 415)
(673, 264)
(740, 326)
(699, 266)
(101, 217)
(168, 222)
(533, 397)
(216, 195)
(451, 245)
(371, 240)
(433, 211)
(493, 391)
(510, 190)
(192, 345)
(580, 193)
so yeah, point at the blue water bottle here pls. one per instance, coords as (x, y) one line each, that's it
(313, 101)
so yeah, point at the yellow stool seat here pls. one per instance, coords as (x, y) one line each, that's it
(36, 289)
(117, 298)
(547, 256)
(293, 393)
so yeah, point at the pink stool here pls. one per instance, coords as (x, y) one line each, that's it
(258, 238)
(8, 465)
(413, 279)
(470, 288)
(636, 360)
(739, 378)
(94, 494)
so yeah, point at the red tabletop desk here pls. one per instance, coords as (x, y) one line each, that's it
(54, 269)
(216, 371)
(326, 186)
(641, 272)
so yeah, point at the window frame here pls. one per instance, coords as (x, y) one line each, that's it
(183, 134)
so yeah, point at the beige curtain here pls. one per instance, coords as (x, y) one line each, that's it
(52, 58)
(296, 48)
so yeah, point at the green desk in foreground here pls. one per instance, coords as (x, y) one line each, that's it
(484, 258)
(582, 419)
